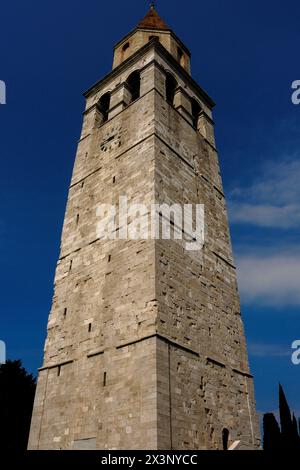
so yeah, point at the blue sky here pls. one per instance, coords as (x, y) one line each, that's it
(244, 54)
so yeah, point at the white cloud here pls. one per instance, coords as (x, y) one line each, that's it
(271, 279)
(287, 216)
(266, 276)
(272, 199)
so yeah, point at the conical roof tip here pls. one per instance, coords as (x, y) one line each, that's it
(152, 20)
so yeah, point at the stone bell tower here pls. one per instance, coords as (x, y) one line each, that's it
(145, 345)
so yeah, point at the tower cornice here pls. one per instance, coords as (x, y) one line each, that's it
(153, 43)
(163, 31)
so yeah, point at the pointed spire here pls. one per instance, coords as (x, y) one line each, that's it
(152, 20)
(285, 418)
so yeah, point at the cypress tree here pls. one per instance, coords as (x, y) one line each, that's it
(272, 436)
(286, 423)
(295, 440)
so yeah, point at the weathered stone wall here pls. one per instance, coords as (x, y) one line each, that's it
(107, 400)
(145, 345)
(104, 298)
(198, 303)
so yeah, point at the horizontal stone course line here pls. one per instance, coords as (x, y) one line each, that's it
(71, 253)
(185, 161)
(138, 340)
(204, 178)
(83, 138)
(161, 337)
(219, 191)
(244, 374)
(172, 223)
(217, 363)
(52, 366)
(135, 145)
(211, 145)
(178, 345)
(118, 156)
(223, 259)
(180, 229)
(85, 177)
(236, 371)
(95, 353)
(176, 153)
(201, 175)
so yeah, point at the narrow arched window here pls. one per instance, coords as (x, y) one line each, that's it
(180, 56)
(103, 106)
(125, 51)
(196, 110)
(134, 85)
(171, 86)
(225, 438)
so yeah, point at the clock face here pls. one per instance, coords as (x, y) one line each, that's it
(111, 140)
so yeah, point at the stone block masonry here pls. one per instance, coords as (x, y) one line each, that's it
(145, 345)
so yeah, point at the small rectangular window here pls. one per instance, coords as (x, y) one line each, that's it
(90, 327)
(58, 371)
(65, 312)
(104, 379)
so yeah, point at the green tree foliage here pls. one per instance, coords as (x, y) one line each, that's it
(17, 389)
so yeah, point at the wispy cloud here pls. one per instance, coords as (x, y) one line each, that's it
(284, 217)
(272, 199)
(271, 279)
(269, 350)
(269, 276)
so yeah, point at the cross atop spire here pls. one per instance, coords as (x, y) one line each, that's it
(152, 20)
